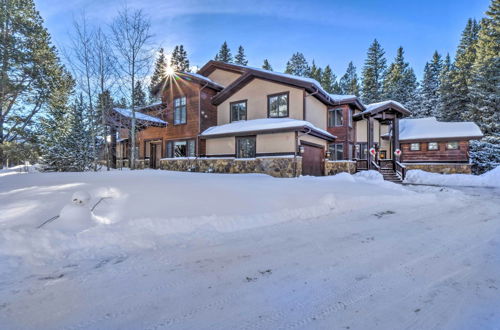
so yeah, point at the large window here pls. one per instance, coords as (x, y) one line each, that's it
(336, 151)
(238, 110)
(451, 145)
(245, 147)
(335, 118)
(277, 105)
(415, 146)
(349, 113)
(180, 110)
(432, 146)
(361, 151)
(184, 148)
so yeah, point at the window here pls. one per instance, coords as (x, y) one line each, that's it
(277, 105)
(336, 151)
(452, 145)
(349, 113)
(432, 146)
(184, 148)
(362, 151)
(245, 147)
(335, 118)
(415, 146)
(238, 110)
(180, 110)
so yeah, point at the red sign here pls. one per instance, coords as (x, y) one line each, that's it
(397, 152)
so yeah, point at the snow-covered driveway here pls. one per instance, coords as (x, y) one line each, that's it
(202, 251)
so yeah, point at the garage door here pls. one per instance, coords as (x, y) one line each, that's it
(312, 160)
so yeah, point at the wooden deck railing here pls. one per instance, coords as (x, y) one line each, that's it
(361, 164)
(400, 170)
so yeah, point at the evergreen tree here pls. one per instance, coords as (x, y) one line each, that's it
(485, 154)
(429, 89)
(267, 65)
(349, 84)
(315, 72)
(458, 101)
(485, 84)
(139, 95)
(329, 81)
(445, 90)
(77, 142)
(160, 70)
(373, 73)
(241, 58)
(224, 54)
(297, 65)
(400, 82)
(179, 60)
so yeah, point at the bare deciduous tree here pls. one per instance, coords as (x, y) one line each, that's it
(131, 39)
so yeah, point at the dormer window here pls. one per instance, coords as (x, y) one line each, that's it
(277, 105)
(238, 110)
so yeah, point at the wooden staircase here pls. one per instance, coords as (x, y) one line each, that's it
(390, 175)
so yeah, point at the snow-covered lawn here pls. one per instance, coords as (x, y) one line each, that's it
(206, 251)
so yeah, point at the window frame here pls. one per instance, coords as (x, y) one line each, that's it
(447, 143)
(180, 107)
(333, 113)
(428, 146)
(359, 150)
(411, 146)
(269, 96)
(170, 148)
(231, 119)
(349, 117)
(333, 148)
(237, 145)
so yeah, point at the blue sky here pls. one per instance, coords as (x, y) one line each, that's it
(330, 32)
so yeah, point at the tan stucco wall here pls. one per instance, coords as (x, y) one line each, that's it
(361, 134)
(376, 131)
(221, 146)
(316, 112)
(278, 142)
(223, 77)
(314, 139)
(256, 93)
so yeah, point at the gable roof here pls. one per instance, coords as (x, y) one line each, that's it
(374, 108)
(187, 76)
(430, 128)
(249, 73)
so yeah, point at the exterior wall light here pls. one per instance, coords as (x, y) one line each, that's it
(301, 149)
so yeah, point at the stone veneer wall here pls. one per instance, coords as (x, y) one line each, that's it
(283, 167)
(444, 168)
(335, 167)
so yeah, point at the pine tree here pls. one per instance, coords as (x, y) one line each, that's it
(315, 72)
(267, 65)
(77, 142)
(349, 84)
(429, 89)
(458, 101)
(179, 60)
(373, 73)
(329, 81)
(139, 95)
(241, 58)
(445, 90)
(224, 54)
(159, 73)
(400, 82)
(485, 85)
(297, 65)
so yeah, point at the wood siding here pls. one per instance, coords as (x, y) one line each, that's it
(441, 155)
(345, 134)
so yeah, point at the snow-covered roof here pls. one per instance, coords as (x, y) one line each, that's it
(374, 106)
(261, 125)
(430, 128)
(139, 115)
(199, 76)
(342, 98)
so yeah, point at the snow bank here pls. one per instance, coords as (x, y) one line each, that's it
(370, 175)
(146, 208)
(20, 169)
(488, 179)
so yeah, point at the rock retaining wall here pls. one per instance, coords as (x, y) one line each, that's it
(335, 167)
(445, 168)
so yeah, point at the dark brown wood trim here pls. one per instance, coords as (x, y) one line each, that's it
(419, 147)
(307, 143)
(195, 139)
(452, 139)
(287, 93)
(433, 150)
(231, 112)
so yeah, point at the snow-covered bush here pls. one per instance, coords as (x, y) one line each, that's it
(485, 154)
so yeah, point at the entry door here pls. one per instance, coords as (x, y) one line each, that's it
(157, 155)
(312, 160)
(152, 155)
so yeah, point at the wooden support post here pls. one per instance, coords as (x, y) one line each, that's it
(395, 137)
(369, 136)
(112, 147)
